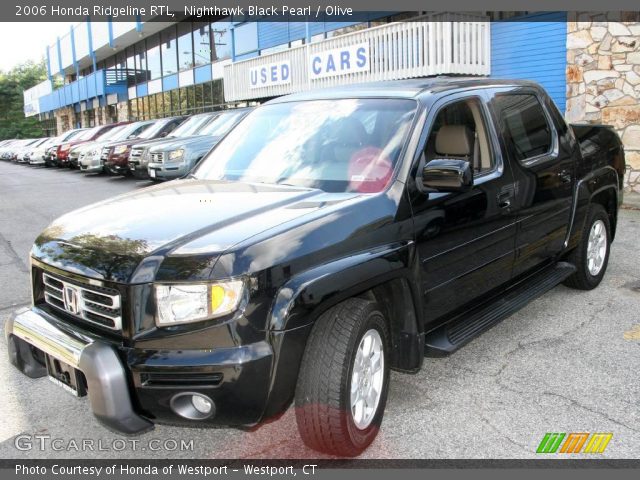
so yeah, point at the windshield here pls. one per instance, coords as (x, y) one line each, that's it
(71, 134)
(349, 145)
(109, 134)
(192, 125)
(154, 129)
(41, 142)
(222, 123)
(131, 130)
(87, 134)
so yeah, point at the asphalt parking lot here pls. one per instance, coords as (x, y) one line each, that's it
(568, 362)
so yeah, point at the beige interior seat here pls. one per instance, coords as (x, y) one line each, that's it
(456, 141)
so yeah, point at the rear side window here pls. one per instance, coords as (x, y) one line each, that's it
(528, 133)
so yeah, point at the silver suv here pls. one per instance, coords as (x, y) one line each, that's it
(174, 159)
(139, 156)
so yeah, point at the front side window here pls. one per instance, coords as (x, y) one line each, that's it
(192, 125)
(459, 131)
(318, 144)
(527, 130)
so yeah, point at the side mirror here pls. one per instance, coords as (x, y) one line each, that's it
(447, 175)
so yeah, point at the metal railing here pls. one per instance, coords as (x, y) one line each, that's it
(435, 44)
(98, 84)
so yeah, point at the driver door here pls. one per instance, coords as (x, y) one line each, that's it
(465, 240)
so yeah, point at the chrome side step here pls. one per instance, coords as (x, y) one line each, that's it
(461, 330)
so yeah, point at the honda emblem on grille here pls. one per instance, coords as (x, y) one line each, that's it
(71, 299)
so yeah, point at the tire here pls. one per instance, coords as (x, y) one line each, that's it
(590, 271)
(323, 399)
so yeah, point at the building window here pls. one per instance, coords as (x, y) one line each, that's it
(185, 46)
(175, 101)
(154, 66)
(141, 62)
(121, 66)
(201, 43)
(169, 52)
(131, 66)
(221, 40)
(246, 38)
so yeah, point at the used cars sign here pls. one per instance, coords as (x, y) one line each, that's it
(339, 61)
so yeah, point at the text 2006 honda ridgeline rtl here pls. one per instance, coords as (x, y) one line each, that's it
(328, 238)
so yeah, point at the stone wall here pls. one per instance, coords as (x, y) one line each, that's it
(603, 78)
(123, 111)
(65, 118)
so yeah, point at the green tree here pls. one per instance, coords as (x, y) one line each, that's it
(13, 123)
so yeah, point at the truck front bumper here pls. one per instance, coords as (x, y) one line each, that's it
(91, 165)
(167, 171)
(130, 388)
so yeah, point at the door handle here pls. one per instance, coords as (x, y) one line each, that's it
(565, 176)
(504, 199)
(505, 204)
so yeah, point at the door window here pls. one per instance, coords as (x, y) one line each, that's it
(460, 131)
(527, 130)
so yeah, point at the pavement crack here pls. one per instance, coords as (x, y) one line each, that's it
(575, 403)
(14, 255)
(526, 448)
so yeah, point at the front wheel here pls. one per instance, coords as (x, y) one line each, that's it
(591, 256)
(344, 379)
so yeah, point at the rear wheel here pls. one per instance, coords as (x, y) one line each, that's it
(344, 379)
(591, 256)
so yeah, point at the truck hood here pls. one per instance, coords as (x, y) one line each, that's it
(109, 240)
(192, 143)
(159, 143)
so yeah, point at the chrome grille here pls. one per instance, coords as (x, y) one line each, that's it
(97, 305)
(136, 152)
(157, 157)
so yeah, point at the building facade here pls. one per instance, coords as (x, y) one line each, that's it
(101, 72)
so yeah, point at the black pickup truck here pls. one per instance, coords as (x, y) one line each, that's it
(330, 237)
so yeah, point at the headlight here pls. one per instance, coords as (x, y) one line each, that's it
(120, 149)
(186, 303)
(176, 154)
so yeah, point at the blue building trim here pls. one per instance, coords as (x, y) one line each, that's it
(533, 50)
(59, 66)
(142, 90)
(92, 53)
(110, 28)
(202, 74)
(73, 50)
(47, 61)
(170, 82)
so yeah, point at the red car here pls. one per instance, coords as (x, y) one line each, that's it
(64, 149)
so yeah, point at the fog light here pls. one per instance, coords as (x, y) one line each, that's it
(192, 405)
(202, 404)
